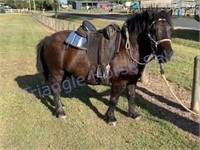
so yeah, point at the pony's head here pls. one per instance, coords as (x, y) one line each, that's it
(159, 32)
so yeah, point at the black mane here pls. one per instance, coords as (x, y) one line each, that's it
(137, 22)
(140, 22)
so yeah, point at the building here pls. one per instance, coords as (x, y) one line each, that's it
(2, 4)
(156, 3)
(90, 4)
(168, 3)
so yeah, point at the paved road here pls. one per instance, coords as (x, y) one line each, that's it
(186, 23)
(179, 22)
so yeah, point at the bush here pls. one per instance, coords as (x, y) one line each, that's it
(2, 10)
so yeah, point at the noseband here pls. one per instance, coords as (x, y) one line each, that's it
(156, 43)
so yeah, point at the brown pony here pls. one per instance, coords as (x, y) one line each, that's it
(142, 35)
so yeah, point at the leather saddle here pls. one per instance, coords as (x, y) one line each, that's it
(86, 28)
(101, 46)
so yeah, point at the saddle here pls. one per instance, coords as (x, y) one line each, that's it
(101, 46)
(86, 28)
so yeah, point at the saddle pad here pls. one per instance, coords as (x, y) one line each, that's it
(76, 40)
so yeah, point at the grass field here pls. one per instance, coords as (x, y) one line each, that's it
(27, 121)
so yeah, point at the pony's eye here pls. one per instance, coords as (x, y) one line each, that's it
(153, 30)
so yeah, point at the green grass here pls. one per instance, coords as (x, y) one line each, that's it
(180, 69)
(27, 121)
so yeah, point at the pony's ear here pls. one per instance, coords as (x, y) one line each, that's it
(170, 12)
(150, 13)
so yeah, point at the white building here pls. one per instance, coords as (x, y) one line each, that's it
(156, 3)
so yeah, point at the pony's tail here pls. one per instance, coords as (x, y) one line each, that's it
(40, 62)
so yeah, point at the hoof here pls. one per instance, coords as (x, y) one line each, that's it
(62, 117)
(135, 116)
(113, 123)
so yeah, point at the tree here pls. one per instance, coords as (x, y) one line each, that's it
(18, 4)
(56, 7)
(48, 5)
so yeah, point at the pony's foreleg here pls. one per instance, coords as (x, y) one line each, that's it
(56, 88)
(130, 88)
(116, 90)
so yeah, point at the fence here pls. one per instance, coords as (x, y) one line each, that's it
(56, 24)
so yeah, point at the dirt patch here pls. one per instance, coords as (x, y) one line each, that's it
(157, 96)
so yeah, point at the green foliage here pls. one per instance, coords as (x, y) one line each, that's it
(19, 4)
(2, 10)
(121, 1)
(40, 4)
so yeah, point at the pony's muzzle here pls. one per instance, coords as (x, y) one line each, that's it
(165, 56)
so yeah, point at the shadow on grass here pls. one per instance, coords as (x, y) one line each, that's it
(186, 34)
(184, 123)
(33, 82)
(86, 92)
(30, 84)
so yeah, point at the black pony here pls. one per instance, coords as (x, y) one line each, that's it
(142, 35)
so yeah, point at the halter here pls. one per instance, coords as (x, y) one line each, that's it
(152, 39)
(156, 43)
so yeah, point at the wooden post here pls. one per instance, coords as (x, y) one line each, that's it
(195, 104)
(146, 74)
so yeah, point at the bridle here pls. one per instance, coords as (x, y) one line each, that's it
(156, 43)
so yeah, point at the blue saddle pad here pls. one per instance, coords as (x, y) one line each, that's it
(76, 40)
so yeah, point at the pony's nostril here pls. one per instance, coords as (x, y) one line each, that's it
(171, 53)
(167, 54)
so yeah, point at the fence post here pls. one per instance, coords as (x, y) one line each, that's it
(146, 73)
(195, 104)
(75, 27)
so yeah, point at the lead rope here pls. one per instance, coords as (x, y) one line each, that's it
(128, 48)
(169, 87)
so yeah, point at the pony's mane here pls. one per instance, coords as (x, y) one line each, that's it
(139, 22)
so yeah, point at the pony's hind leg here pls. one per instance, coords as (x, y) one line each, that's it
(131, 102)
(56, 88)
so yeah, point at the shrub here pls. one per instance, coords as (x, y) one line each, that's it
(2, 10)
